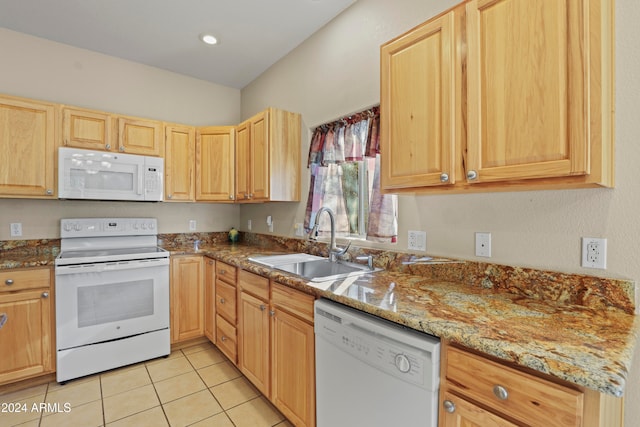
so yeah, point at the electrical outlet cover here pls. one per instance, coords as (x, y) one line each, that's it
(417, 240)
(483, 245)
(594, 252)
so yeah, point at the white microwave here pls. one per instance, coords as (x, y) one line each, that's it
(100, 175)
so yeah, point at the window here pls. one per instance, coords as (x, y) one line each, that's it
(344, 162)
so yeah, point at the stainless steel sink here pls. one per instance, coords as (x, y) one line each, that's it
(323, 270)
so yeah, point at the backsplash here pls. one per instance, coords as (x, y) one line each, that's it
(572, 289)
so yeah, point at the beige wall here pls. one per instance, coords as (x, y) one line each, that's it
(336, 72)
(41, 69)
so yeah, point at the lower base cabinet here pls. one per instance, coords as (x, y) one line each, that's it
(187, 298)
(26, 337)
(476, 391)
(276, 345)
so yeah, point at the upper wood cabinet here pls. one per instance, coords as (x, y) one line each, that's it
(86, 129)
(27, 148)
(179, 163)
(521, 90)
(418, 75)
(215, 171)
(268, 157)
(140, 136)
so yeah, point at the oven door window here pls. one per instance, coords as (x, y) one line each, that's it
(102, 304)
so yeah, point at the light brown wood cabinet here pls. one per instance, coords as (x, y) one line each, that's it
(140, 136)
(210, 299)
(215, 167)
(276, 347)
(179, 163)
(87, 129)
(480, 391)
(519, 91)
(226, 310)
(187, 298)
(26, 302)
(28, 144)
(268, 157)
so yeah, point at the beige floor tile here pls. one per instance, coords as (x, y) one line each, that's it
(255, 413)
(76, 393)
(87, 415)
(206, 358)
(219, 373)
(129, 403)
(121, 370)
(55, 386)
(37, 391)
(125, 380)
(33, 423)
(173, 355)
(179, 386)
(153, 417)
(21, 411)
(169, 368)
(198, 347)
(191, 409)
(234, 392)
(220, 420)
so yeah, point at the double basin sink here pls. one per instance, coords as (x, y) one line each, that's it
(311, 267)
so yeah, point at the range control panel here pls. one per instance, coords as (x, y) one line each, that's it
(100, 227)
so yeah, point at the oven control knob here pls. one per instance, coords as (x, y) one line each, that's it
(402, 363)
(144, 226)
(151, 226)
(67, 227)
(136, 225)
(78, 227)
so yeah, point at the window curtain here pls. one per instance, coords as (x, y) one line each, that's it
(344, 161)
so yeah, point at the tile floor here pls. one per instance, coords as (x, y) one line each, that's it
(195, 386)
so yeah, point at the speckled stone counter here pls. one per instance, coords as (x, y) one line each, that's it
(577, 328)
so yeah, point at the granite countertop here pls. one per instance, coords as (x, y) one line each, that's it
(591, 347)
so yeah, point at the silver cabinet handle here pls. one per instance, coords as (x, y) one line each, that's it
(221, 300)
(223, 272)
(121, 149)
(262, 307)
(471, 175)
(3, 319)
(449, 406)
(230, 196)
(223, 338)
(45, 295)
(444, 177)
(49, 192)
(8, 282)
(108, 146)
(500, 392)
(169, 196)
(272, 313)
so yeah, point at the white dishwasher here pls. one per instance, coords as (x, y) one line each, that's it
(372, 372)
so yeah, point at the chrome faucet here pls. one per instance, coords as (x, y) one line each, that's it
(334, 251)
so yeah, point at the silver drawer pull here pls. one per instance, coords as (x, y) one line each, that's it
(449, 406)
(221, 300)
(500, 392)
(223, 338)
(3, 319)
(262, 307)
(8, 282)
(45, 295)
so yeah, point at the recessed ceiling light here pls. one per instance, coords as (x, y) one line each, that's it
(208, 39)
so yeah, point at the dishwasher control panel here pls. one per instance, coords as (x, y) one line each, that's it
(394, 349)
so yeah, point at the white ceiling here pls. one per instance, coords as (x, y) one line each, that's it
(252, 34)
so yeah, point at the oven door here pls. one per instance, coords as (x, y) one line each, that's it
(106, 301)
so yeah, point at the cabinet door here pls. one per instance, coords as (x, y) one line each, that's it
(463, 413)
(187, 293)
(179, 163)
(259, 175)
(26, 348)
(253, 341)
(417, 106)
(293, 366)
(27, 148)
(243, 161)
(210, 300)
(137, 136)
(86, 129)
(215, 171)
(528, 84)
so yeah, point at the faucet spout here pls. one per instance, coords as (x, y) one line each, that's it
(334, 251)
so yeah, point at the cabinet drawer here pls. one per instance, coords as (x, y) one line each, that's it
(520, 395)
(254, 284)
(293, 301)
(17, 280)
(226, 338)
(226, 301)
(226, 272)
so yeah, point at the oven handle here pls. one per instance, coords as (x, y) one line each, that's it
(111, 266)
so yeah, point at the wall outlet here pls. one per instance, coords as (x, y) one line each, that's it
(299, 229)
(192, 225)
(483, 245)
(594, 252)
(417, 240)
(248, 225)
(16, 229)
